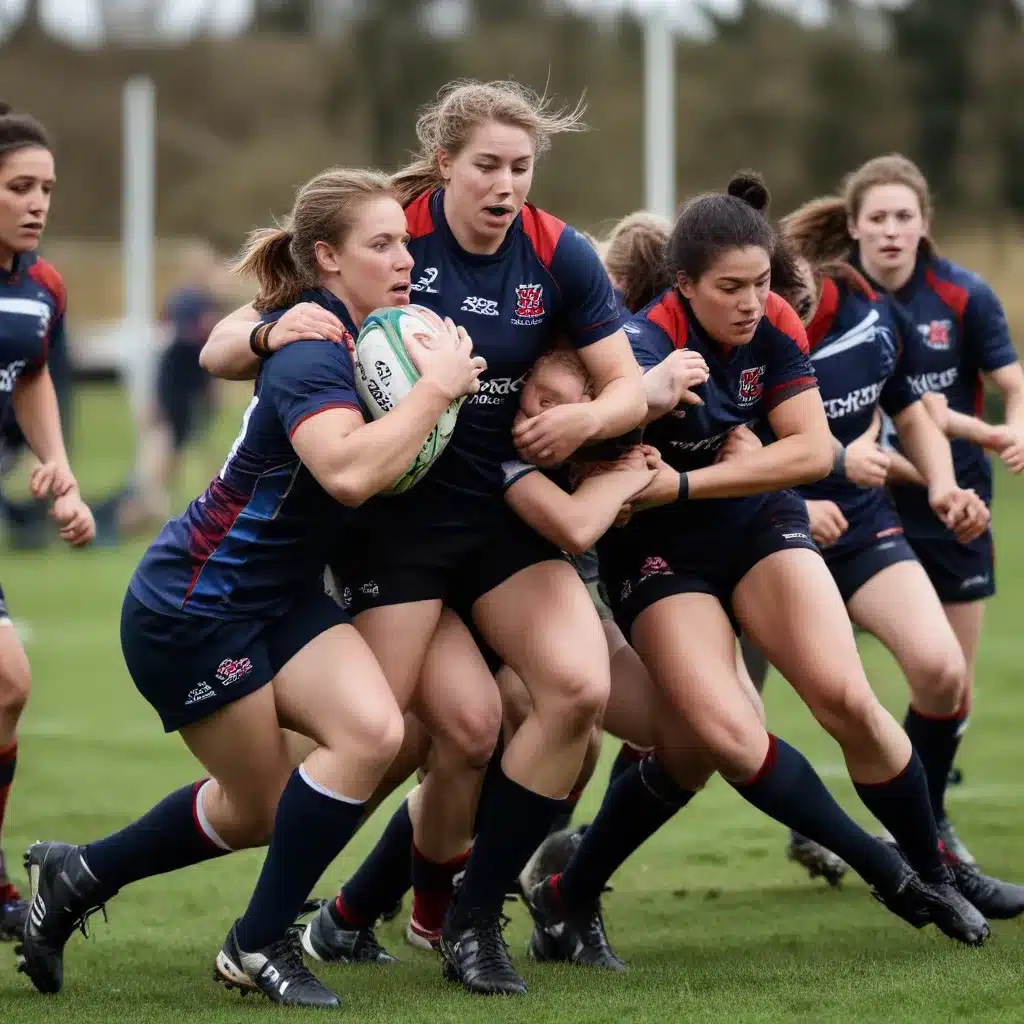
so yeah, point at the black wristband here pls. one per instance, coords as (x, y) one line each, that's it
(258, 340)
(684, 488)
(839, 462)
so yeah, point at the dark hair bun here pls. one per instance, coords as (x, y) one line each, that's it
(750, 187)
(5, 109)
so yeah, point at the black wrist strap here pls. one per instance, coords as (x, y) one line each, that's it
(258, 340)
(684, 489)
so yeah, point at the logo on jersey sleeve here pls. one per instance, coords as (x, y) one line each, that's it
(938, 334)
(751, 384)
(425, 282)
(9, 374)
(529, 304)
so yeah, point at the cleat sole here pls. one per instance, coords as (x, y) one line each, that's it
(230, 976)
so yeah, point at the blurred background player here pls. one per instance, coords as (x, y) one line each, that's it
(32, 304)
(184, 400)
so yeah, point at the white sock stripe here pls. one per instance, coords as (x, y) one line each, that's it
(324, 791)
(204, 823)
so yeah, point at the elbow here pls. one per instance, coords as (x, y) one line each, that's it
(578, 535)
(206, 362)
(350, 490)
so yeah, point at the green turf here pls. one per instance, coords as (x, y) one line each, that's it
(716, 925)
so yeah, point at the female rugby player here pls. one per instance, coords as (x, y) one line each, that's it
(32, 303)
(226, 628)
(515, 275)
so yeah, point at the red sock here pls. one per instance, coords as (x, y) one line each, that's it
(433, 884)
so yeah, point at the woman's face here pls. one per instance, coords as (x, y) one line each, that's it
(729, 297)
(487, 183)
(372, 268)
(889, 227)
(26, 184)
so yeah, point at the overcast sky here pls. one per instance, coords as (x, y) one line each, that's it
(78, 20)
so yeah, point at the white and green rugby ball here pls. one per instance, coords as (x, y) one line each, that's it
(385, 375)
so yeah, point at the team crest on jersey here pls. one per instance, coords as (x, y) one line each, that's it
(529, 303)
(751, 384)
(938, 334)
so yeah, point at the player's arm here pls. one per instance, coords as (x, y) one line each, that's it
(1009, 380)
(594, 324)
(803, 452)
(958, 425)
(351, 459)
(229, 354)
(38, 416)
(575, 522)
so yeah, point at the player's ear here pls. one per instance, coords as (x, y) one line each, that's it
(851, 229)
(444, 164)
(326, 258)
(687, 288)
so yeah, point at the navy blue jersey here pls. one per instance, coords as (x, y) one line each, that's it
(745, 382)
(32, 304)
(960, 332)
(258, 537)
(546, 281)
(861, 358)
(191, 314)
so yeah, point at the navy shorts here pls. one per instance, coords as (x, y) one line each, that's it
(872, 547)
(5, 615)
(712, 559)
(959, 572)
(457, 568)
(190, 667)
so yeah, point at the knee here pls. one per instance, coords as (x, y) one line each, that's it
(847, 709)
(377, 739)
(576, 694)
(939, 686)
(472, 729)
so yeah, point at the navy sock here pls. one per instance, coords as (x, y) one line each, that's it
(636, 805)
(627, 756)
(512, 821)
(382, 879)
(936, 739)
(174, 834)
(563, 819)
(789, 790)
(311, 828)
(903, 807)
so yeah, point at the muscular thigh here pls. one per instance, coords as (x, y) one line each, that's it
(899, 606)
(543, 624)
(790, 607)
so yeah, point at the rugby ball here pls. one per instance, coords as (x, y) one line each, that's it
(385, 375)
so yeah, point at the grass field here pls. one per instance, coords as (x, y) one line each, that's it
(716, 925)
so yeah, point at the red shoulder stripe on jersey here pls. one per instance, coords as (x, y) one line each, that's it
(951, 294)
(543, 230)
(670, 316)
(47, 275)
(782, 316)
(789, 389)
(825, 315)
(323, 408)
(418, 219)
